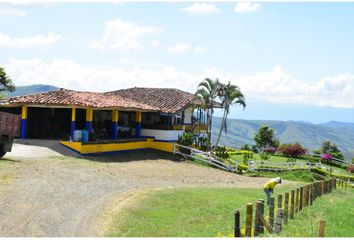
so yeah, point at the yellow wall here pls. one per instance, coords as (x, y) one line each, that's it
(89, 114)
(24, 112)
(114, 147)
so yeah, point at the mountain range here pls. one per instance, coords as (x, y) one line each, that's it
(309, 135)
(241, 132)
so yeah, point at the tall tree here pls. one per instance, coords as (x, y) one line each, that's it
(229, 95)
(5, 82)
(207, 92)
(265, 137)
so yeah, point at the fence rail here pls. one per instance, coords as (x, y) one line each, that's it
(286, 208)
(206, 157)
(256, 165)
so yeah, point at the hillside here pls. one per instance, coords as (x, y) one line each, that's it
(310, 135)
(24, 90)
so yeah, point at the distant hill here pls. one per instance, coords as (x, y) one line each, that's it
(310, 135)
(340, 125)
(30, 89)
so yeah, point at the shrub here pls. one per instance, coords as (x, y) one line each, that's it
(202, 143)
(292, 150)
(270, 150)
(265, 156)
(317, 151)
(255, 149)
(246, 147)
(186, 139)
(221, 151)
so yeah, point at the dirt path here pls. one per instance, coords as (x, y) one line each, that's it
(52, 195)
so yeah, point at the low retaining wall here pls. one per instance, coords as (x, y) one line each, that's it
(106, 148)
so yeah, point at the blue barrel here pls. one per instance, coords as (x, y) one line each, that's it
(77, 136)
(85, 136)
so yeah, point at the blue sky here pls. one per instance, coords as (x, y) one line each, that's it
(293, 61)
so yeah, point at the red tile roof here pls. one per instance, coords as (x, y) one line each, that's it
(64, 97)
(165, 100)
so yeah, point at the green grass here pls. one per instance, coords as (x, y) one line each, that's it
(336, 208)
(296, 175)
(187, 212)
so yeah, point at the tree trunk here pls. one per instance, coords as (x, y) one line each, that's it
(223, 120)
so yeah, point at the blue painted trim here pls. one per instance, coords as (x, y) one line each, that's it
(165, 140)
(88, 126)
(72, 129)
(23, 133)
(138, 129)
(115, 130)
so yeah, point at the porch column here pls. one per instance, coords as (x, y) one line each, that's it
(138, 124)
(23, 133)
(72, 125)
(89, 117)
(115, 116)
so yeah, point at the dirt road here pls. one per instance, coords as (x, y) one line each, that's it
(43, 193)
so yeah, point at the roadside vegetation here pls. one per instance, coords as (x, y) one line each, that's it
(186, 212)
(335, 208)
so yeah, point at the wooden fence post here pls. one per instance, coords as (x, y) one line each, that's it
(256, 231)
(301, 198)
(271, 211)
(321, 231)
(280, 200)
(278, 221)
(292, 204)
(322, 188)
(249, 211)
(304, 204)
(335, 182)
(237, 232)
(308, 194)
(261, 213)
(286, 208)
(297, 200)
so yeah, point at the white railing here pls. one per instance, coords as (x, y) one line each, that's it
(202, 156)
(276, 166)
(332, 159)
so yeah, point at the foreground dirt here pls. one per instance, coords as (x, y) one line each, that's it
(47, 194)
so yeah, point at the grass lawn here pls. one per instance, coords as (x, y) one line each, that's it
(337, 209)
(186, 212)
(296, 175)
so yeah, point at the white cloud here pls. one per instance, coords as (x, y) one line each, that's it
(123, 36)
(179, 47)
(274, 86)
(12, 12)
(37, 40)
(155, 43)
(247, 7)
(184, 47)
(201, 8)
(199, 49)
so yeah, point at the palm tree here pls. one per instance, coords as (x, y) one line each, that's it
(229, 95)
(207, 92)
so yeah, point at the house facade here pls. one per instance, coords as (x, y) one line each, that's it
(124, 116)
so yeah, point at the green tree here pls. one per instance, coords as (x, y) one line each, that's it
(207, 92)
(229, 95)
(332, 149)
(265, 138)
(5, 82)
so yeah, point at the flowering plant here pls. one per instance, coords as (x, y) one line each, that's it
(326, 156)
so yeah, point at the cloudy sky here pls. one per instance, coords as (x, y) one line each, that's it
(293, 61)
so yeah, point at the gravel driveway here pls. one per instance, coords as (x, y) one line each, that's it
(43, 193)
